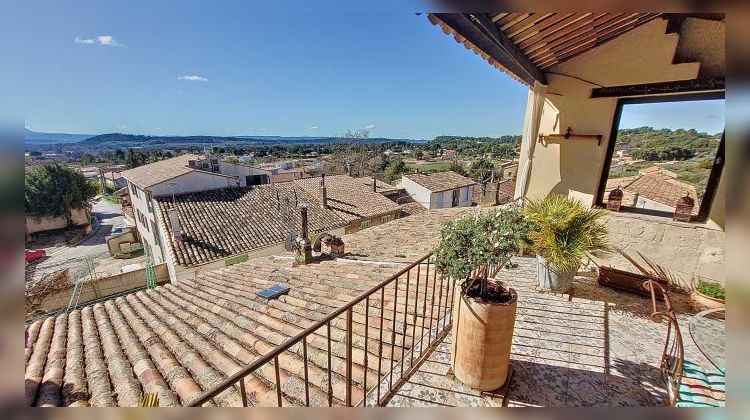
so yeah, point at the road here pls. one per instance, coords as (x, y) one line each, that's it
(109, 214)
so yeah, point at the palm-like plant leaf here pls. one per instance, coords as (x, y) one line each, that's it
(565, 232)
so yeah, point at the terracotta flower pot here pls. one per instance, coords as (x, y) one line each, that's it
(705, 301)
(551, 279)
(630, 282)
(482, 336)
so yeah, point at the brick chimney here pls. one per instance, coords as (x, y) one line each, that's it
(323, 194)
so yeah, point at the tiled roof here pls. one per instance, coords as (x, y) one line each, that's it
(661, 188)
(655, 186)
(224, 222)
(288, 175)
(402, 240)
(441, 181)
(381, 186)
(163, 170)
(348, 197)
(179, 340)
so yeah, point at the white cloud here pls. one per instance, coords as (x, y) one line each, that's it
(369, 127)
(79, 40)
(193, 78)
(122, 127)
(312, 128)
(107, 40)
(157, 128)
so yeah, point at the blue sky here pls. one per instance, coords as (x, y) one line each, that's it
(98, 67)
(705, 116)
(263, 74)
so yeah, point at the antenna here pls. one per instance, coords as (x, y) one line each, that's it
(171, 185)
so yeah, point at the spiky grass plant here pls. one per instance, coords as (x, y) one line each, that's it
(565, 232)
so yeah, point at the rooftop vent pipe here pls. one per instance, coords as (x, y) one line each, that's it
(374, 184)
(323, 194)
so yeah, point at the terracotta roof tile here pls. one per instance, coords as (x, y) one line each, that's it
(441, 181)
(381, 186)
(180, 339)
(224, 222)
(154, 173)
(348, 197)
(402, 240)
(655, 186)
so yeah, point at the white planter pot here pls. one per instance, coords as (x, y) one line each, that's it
(551, 279)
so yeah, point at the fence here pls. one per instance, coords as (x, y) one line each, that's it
(383, 334)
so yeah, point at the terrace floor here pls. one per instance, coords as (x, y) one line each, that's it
(595, 347)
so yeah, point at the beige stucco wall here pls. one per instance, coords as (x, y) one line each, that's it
(573, 167)
(78, 217)
(114, 242)
(104, 287)
(688, 251)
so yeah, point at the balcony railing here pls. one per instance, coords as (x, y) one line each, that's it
(386, 332)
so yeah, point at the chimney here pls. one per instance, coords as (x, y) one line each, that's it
(374, 184)
(635, 199)
(304, 254)
(323, 194)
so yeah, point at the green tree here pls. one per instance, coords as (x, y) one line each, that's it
(395, 169)
(481, 169)
(88, 159)
(132, 159)
(53, 190)
(458, 168)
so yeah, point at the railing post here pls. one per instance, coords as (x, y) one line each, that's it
(278, 380)
(414, 326)
(393, 333)
(406, 315)
(330, 385)
(307, 383)
(367, 334)
(380, 341)
(348, 400)
(242, 391)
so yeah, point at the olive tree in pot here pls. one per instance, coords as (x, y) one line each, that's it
(484, 310)
(564, 233)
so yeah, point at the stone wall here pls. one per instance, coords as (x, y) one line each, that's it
(104, 287)
(78, 217)
(689, 251)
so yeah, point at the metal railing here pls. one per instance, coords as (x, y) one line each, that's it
(404, 317)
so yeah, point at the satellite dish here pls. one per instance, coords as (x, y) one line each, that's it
(290, 241)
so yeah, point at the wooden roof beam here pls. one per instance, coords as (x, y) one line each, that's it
(660, 88)
(479, 29)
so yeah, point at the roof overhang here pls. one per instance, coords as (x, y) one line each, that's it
(527, 45)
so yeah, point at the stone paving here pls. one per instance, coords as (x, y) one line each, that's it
(595, 347)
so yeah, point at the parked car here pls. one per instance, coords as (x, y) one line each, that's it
(117, 229)
(34, 254)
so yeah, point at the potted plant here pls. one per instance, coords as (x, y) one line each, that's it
(564, 233)
(484, 309)
(708, 295)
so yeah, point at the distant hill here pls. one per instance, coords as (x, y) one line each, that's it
(53, 138)
(133, 140)
(653, 144)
